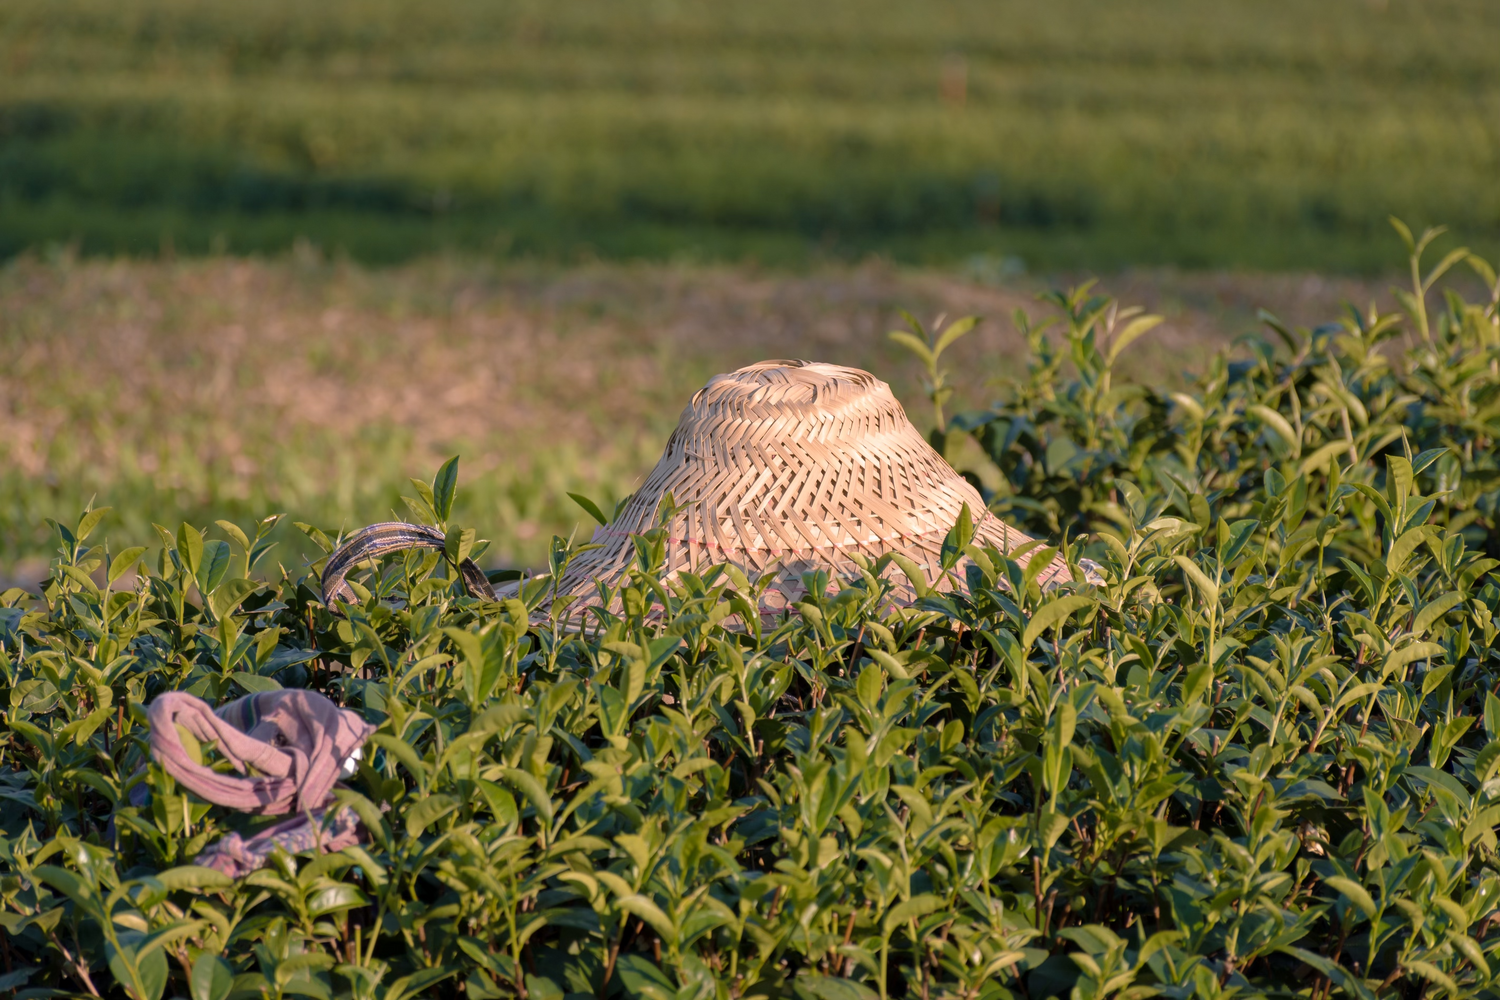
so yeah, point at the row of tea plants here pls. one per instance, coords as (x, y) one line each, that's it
(1262, 759)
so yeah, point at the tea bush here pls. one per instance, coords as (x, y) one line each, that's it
(1263, 759)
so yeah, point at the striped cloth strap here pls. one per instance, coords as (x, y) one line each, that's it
(382, 539)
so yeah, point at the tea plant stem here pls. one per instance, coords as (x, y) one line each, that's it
(75, 963)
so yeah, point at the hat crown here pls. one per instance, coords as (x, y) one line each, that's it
(804, 388)
(771, 405)
(787, 459)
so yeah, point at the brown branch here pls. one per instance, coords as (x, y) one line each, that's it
(79, 967)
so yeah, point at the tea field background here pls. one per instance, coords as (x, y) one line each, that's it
(200, 389)
(1072, 134)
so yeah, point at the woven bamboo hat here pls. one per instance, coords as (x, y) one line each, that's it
(789, 466)
(781, 467)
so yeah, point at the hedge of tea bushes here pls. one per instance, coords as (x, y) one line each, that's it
(1262, 759)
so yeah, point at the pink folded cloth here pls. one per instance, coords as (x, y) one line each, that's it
(298, 743)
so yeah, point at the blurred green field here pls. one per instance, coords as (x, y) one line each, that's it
(1087, 133)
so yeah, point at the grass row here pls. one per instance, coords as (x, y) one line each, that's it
(1073, 134)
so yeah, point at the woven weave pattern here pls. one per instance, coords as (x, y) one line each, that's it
(791, 466)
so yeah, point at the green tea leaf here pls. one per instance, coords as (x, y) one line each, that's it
(143, 976)
(255, 683)
(1434, 610)
(124, 561)
(193, 877)
(913, 908)
(444, 486)
(531, 788)
(1053, 613)
(89, 522)
(1207, 589)
(652, 914)
(211, 979)
(590, 507)
(190, 548)
(913, 344)
(1354, 892)
(1278, 424)
(228, 596)
(426, 812)
(1132, 331)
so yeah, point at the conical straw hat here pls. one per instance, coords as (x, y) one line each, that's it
(781, 467)
(789, 466)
